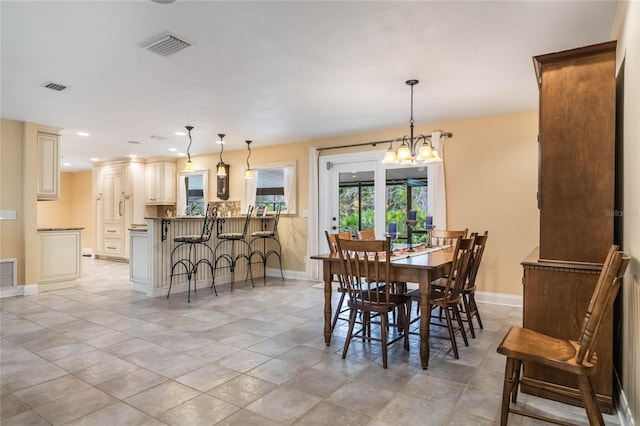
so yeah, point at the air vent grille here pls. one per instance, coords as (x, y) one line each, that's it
(55, 86)
(167, 44)
(8, 272)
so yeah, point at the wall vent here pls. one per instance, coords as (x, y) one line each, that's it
(8, 272)
(55, 86)
(167, 44)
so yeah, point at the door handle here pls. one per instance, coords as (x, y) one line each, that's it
(120, 208)
(334, 228)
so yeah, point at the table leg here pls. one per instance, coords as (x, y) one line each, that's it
(326, 276)
(425, 318)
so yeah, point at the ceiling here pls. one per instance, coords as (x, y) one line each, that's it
(272, 72)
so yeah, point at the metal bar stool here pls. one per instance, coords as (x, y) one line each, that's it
(191, 262)
(263, 254)
(230, 256)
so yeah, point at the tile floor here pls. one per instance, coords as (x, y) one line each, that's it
(101, 354)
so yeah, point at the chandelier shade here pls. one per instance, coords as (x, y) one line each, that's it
(414, 149)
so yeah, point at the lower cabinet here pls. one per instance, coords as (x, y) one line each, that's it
(59, 258)
(556, 297)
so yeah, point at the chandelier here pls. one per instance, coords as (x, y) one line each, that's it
(189, 166)
(413, 148)
(248, 174)
(220, 167)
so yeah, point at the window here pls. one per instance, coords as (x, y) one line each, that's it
(356, 201)
(193, 193)
(273, 185)
(406, 189)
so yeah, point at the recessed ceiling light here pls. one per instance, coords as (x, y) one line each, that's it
(132, 156)
(181, 154)
(173, 149)
(179, 133)
(66, 164)
(83, 134)
(94, 159)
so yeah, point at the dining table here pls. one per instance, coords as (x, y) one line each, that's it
(418, 266)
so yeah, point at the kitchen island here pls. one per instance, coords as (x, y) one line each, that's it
(150, 263)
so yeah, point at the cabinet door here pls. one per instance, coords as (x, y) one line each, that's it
(48, 167)
(169, 183)
(151, 175)
(112, 197)
(127, 202)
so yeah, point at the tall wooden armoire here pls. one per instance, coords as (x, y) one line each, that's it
(576, 200)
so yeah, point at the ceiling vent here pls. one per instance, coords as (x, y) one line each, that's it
(55, 86)
(167, 44)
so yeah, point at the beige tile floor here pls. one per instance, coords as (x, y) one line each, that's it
(101, 354)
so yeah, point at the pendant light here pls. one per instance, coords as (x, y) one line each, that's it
(248, 174)
(221, 170)
(189, 166)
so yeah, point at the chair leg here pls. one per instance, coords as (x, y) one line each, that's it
(476, 312)
(337, 314)
(384, 333)
(507, 387)
(516, 380)
(469, 314)
(352, 323)
(456, 313)
(452, 335)
(405, 325)
(590, 401)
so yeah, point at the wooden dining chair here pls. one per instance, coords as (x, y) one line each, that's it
(366, 270)
(333, 248)
(449, 297)
(367, 234)
(445, 237)
(575, 357)
(469, 306)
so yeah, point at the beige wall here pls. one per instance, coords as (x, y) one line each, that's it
(74, 208)
(627, 32)
(57, 214)
(491, 172)
(11, 239)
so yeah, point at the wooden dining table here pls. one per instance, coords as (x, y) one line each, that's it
(420, 268)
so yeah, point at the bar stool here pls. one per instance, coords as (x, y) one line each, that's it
(230, 256)
(263, 254)
(191, 262)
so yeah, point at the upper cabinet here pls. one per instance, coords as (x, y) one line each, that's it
(577, 152)
(160, 182)
(48, 164)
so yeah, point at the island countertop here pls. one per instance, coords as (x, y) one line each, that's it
(60, 229)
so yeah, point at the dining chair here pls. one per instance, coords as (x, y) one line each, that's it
(366, 270)
(469, 306)
(333, 248)
(449, 297)
(576, 357)
(367, 234)
(197, 250)
(445, 237)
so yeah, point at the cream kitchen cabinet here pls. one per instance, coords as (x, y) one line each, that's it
(48, 164)
(160, 182)
(119, 202)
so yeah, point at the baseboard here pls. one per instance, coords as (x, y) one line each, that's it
(499, 299)
(624, 411)
(19, 290)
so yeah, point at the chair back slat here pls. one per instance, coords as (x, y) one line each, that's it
(209, 220)
(366, 268)
(246, 221)
(332, 238)
(367, 234)
(442, 237)
(601, 301)
(459, 271)
(478, 250)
